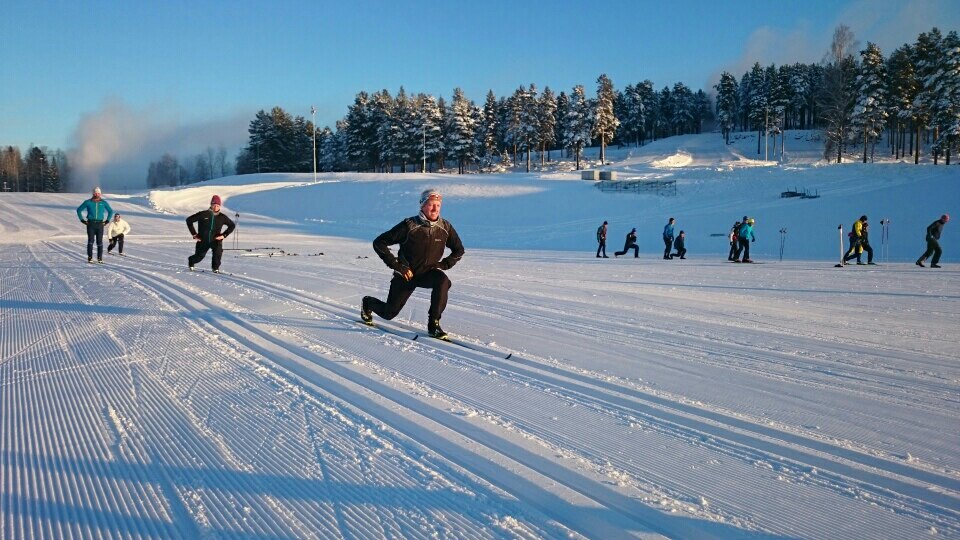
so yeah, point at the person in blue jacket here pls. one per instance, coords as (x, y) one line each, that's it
(668, 238)
(745, 237)
(98, 214)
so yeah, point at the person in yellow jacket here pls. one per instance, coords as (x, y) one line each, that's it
(856, 241)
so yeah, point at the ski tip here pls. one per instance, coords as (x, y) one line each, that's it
(415, 336)
(508, 356)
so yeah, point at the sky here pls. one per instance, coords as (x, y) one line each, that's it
(118, 83)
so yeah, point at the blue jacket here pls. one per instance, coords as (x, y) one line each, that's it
(746, 231)
(668, 232)
(95, 210)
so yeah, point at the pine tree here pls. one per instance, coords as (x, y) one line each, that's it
(382, 121)
(578, 123)
(487, 131)
(646, 103)
(546, 122)
(837, 94)
(682, 107)
(948, 116)
(927, 62)
(727, 91)
(902, 86)
(563, 108)
(529, 121)
(605, 123)
(461, 123)
(870, 111)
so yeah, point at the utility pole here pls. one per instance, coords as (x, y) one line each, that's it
(313, 112)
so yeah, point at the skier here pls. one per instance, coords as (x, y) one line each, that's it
(745, 236)
(856, 238)
(211, 233)
(668, 238)
(933, 242)
(678, 245)
(630, 242)
(423, 239)
(115, 233)
(865, 243)
(733, 236)
(98, 214)
(602, 240)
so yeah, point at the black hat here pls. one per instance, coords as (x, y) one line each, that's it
(604, 222)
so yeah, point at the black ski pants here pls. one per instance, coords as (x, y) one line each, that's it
(933, 248)
(95, 233)
(628, 247)
(401, 289)
(667, 246)
(116, 241)
(868, 250)
(602, 246)
(744, 248)
(732, 256)
(201, 252)
(682, 253)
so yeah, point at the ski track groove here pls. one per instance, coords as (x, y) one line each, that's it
(148, 407)
(840, 483)
(292, 349)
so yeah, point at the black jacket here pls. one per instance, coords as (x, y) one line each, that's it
(935, 229)
(422, 245)
(678, 243)
(631, 240)
(210, 225)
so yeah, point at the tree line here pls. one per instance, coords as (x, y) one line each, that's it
(207, 165)
(383, 132)
(912, 96)
(41, 169)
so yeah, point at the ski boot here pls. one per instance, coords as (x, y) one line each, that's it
(366, 314)
(90, 260)
(433, 328)
(920, 264)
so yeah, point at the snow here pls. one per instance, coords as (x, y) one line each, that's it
(642, 397)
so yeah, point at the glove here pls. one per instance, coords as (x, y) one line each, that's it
(106, 222)
(85, 222)
(403, 271)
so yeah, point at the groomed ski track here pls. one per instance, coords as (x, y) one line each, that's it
(140, 400)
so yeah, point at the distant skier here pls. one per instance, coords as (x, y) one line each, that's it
(115, 233)
(630, 242)
(211, 234)
(733, 237)
(933, 242)
(745, 236)
(423, 239)
(602, 240)
(98, 214)
(856, 240)
(678, 244)
(668, 238)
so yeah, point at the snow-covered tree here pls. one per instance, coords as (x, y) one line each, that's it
(870, 111)
(726, 104)
(605, 123)
(546, 121)
(578, 123)
(563, 107)
(461, 124)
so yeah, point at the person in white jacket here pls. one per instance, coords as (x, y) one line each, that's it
(115, 232)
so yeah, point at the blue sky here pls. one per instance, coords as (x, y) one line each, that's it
(200, 70)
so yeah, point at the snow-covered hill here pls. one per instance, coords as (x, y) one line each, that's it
(641, 397)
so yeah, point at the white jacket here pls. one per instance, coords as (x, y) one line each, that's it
(117, 227)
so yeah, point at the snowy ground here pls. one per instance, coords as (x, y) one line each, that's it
(642, 397)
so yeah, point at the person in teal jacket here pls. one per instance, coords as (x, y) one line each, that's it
(98, 214)
(745, 237)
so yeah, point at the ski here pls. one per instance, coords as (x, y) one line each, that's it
(414, 335)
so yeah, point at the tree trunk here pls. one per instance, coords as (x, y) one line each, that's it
(864, 145)
(916, 155)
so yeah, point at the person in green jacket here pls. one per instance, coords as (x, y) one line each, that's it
(97, 214)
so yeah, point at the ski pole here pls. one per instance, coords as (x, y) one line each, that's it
(840, 229)
(236, 237)
(783, 240)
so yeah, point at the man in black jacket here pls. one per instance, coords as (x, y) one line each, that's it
(630, 242)
(209, 234)
(933, 242)
(423, 240)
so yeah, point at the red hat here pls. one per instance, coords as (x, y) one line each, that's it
(215, 200)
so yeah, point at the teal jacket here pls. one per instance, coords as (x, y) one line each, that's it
(95, 210)
(746, 232)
